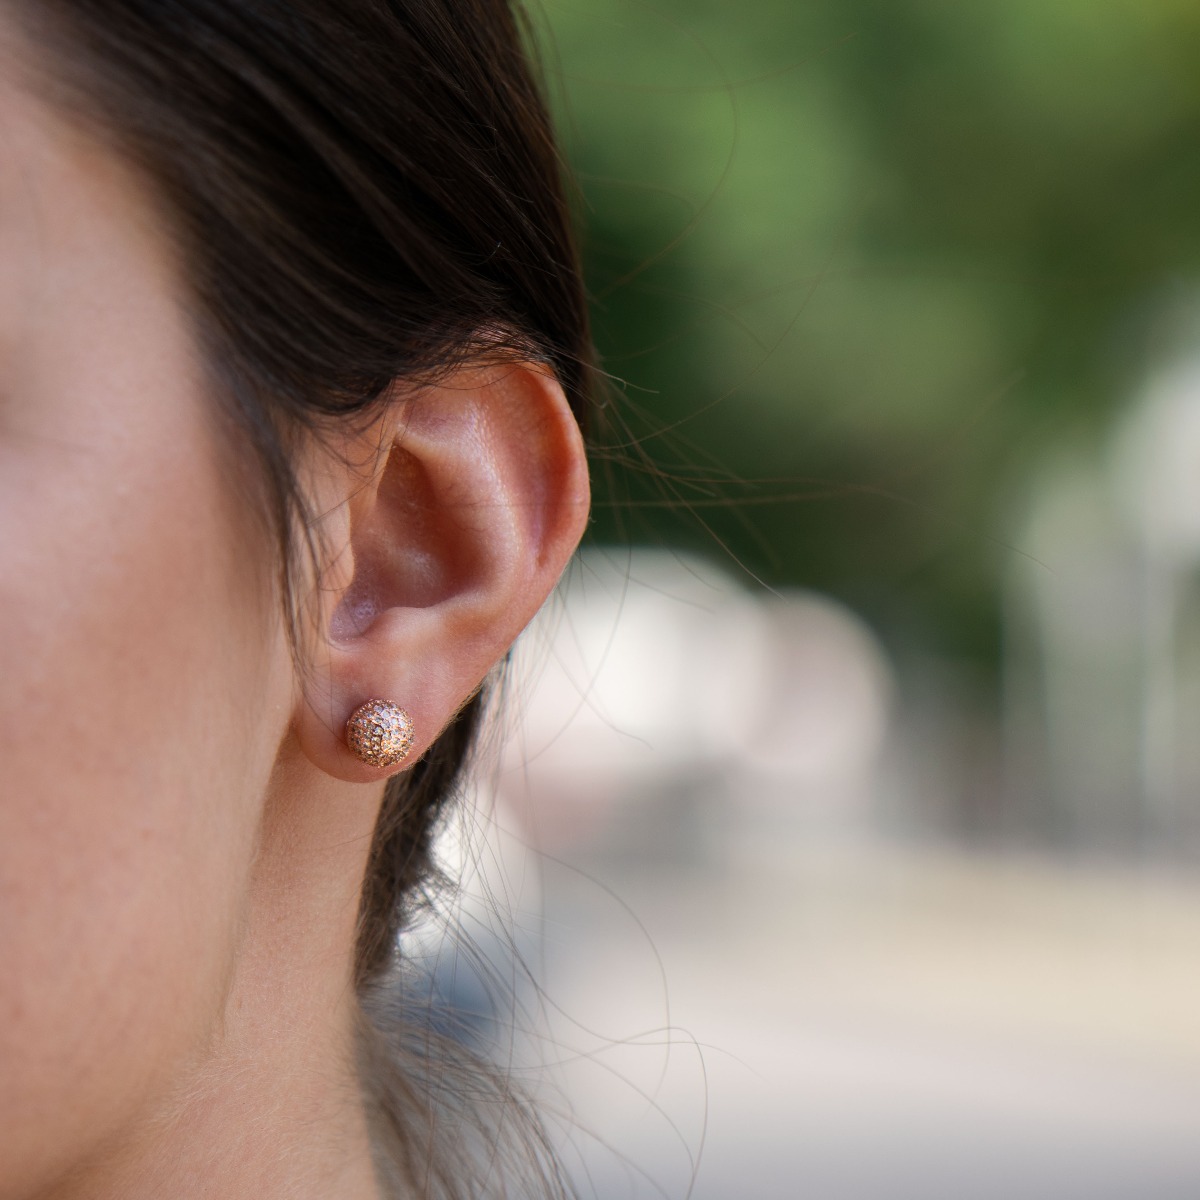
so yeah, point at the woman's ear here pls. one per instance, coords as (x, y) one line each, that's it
(445, 542)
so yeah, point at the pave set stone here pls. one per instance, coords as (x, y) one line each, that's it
(380, 733)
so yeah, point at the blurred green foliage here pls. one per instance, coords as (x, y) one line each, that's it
(858, 264)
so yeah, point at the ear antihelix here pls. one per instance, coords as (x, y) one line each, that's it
(380, 733)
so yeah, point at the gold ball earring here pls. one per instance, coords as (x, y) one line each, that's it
(380, 733)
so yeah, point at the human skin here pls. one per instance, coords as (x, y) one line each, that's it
(183, 833)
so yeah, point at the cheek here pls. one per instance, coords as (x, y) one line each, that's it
(133, 668)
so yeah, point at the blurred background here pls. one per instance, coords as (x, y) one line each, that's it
(859, 754)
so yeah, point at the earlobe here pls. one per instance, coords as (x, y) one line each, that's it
(457, 534)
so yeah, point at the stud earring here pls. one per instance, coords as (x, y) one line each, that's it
(380, 733)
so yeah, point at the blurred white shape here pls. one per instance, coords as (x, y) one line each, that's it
(1157, 465)
(1103, 659)
(1073, 643)
(822, 713)
(654, 676)
(654, 651)
(1158, 476)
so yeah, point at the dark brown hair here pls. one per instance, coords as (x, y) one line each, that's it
(361, 191)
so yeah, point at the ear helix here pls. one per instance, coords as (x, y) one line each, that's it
(380, 733)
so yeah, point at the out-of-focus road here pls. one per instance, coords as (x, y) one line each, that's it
(872, 1022)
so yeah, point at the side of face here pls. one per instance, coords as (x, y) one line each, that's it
(138, 646)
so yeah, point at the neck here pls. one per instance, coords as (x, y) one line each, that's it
(273, 1117)
(269, 1106)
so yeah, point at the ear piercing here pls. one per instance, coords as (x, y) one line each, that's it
(380, 733)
